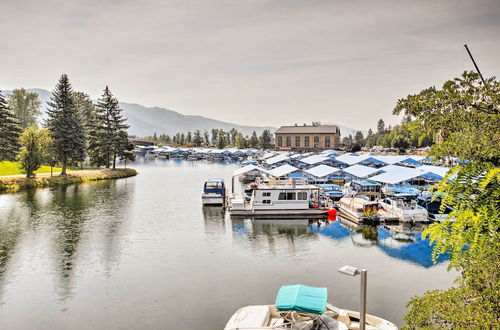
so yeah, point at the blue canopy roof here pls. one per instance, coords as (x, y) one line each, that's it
(302, 298)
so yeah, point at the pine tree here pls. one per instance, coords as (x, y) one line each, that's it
(9, 132)
(254, 140)
(265, 139)
(66, 125)
(109, 132)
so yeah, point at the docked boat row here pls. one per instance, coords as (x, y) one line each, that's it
(272, 187)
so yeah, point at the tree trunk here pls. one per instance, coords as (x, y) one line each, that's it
(63, 170)
(114, 161)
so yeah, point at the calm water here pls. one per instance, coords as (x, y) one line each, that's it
(142, 253)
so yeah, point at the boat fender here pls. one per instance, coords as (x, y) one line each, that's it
(315, 205)
(332, 213)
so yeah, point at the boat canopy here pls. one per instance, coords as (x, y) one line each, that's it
(249, 162)
(276, 159)
(302, 298)
(245, 169)
(282, 170)
(314, 159)
(321, 171)
(397, 174)
(352, 159)
(360, 171)
(268, 155)
(441, 171)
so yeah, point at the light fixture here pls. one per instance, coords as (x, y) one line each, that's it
(353, 271)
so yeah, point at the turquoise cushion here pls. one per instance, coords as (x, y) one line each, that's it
(302, 298)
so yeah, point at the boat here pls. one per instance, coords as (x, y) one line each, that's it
(279, 200)
(403, 208)
(332, 191)
(359, 208)
(301, 307)
(214, 192)
(433, 207)
(408, 189)
(368, 188)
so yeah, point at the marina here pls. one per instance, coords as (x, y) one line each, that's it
(65, 242)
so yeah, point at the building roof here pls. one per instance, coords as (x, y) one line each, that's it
(360, 171)
(328, 129)
(322, 171)
(314, 159)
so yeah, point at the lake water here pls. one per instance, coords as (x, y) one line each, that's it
(142, 253)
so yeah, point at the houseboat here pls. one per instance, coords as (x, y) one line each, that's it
(403, 208)
(302, 307)
(214, 192)
(370, 189)
(358, 209)
(279, 200)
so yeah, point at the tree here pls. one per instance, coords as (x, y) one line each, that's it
(265, 139)
(65, 125)
(380, 126)
(221, 139)
(358, 137)
(233, 132)
(110, 132)
(465, 113)
(240, 142)
(35, 149)
(206, 138)
(9, 132)
(26, 106)
(189, 138)
(254, 140)
(214, 136)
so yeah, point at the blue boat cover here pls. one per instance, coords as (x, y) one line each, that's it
(302, 298)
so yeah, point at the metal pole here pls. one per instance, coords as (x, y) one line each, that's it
(362, 302)
(472, 58)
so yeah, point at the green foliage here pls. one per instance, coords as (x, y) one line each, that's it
(9, 132)
(254, 140)
(109, 137)
(464, 114)
(65, 124)
(265, 139)
(35, 149)
(25, 105)
(461, 113)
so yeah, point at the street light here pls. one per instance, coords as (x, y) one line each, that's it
(353, 271)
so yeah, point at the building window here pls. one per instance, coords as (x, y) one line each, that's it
(288, 141)
(297, 141)
(316, 140)
(327, 142)
(306, 142)
(280, 141)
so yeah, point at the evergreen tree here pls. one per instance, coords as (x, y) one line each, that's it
(189, 138)
(240, 142)
(358, 137)
(66, 125)
(265, 139)
(9, 132)
(111, 132)
(197, 139)
(214, 136)
(25, 105)
(380, 126)
(221, 139)
(206, 138)
(254, 140)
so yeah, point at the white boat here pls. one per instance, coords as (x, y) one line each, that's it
(308, 312)
(403, 208)
(358, 209)
(278, 200)
(214, 192)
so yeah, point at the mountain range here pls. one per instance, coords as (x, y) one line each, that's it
(145, 121)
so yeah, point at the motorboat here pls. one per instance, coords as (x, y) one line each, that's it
(403, 208)
(214, 192)
(359, 208)
(276, 200)
(368, 188)
(301, 307)
(398, 188)
(433, 206)
(332, 191)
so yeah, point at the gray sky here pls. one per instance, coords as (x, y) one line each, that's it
(254, 62)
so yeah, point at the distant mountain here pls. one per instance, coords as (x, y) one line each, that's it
(145, 121)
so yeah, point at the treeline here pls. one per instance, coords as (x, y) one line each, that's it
(75, 129)
(216, 138)
(409, 134)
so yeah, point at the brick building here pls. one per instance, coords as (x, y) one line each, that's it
(307, 138)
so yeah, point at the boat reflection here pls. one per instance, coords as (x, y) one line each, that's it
(403, 241)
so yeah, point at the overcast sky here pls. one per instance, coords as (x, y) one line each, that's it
(254, 62)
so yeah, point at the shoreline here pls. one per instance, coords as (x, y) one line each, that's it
(12, 184)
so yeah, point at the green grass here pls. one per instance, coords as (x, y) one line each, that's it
(12, 168)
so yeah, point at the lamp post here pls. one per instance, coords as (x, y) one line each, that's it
(353, 271)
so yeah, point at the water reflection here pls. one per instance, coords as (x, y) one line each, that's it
(402, 241)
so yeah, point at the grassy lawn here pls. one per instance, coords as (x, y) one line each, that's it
(12, 168)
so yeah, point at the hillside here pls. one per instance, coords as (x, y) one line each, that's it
(146, 121)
